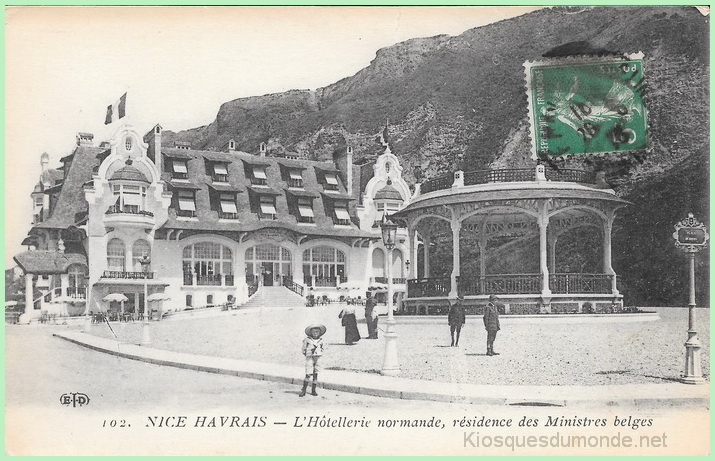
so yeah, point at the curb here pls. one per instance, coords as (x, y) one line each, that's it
(630, 395)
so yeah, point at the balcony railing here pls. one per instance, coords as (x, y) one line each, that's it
(501, 284)
(580, 283)
(429, 287)
(472, 178)
(175, 175)
(209, 280)
(510, 175)
(327, 186)
(306, 219)
(267, 216)
(440, 183)
(297, 183)
(129, 209)
(341, 222)
(219, 177)
(223, 215)
(384, 279)
(127, 275)
(186, 213)
(292, 286)
(569, 175)
(77, 292)
(259, 181)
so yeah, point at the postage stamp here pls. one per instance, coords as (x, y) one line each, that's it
(586, 105)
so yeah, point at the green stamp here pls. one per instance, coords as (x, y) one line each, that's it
(586, 106)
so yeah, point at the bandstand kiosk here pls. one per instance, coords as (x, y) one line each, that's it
(515, 217)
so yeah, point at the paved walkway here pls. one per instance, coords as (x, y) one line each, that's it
(640, 395)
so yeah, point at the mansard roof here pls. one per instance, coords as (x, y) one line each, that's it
(70, 195)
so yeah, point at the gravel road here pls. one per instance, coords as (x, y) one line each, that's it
(531, 354)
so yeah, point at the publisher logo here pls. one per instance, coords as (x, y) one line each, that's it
(75, 399)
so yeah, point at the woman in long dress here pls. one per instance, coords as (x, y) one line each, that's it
(352, 335)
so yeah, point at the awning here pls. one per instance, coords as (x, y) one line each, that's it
(228, 206)
(294, 174)
(331, 178)
(342, 213)
(132, 199)
(259, 173)
(179, 166)
(187, 204)
(220, 168)
(306, 211)
(268, 208)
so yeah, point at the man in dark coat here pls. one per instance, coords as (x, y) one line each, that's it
(491, 323)
(370, 316)
(456, 318)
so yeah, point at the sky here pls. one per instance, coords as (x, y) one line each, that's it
(65, 65)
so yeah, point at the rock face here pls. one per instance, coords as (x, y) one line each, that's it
(460, 102)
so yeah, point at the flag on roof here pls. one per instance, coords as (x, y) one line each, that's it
(116, 110)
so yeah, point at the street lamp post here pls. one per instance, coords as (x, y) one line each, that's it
(87, 317)
(691, 236)
(146, 334)
(390, 365)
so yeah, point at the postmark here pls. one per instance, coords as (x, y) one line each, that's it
(587, 105)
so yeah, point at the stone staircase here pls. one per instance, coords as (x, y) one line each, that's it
(275, 297)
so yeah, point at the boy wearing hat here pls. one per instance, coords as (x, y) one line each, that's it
(313, 350)
(491, 323)
(456, 318)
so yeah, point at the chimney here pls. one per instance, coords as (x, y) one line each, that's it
(44, 161)
(344, 163)
(231, 145)
(85, 139)
(263, 149)
(153, 140)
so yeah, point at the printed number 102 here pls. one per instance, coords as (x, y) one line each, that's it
(115, 423)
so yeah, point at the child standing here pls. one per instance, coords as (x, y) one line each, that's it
(313, 350)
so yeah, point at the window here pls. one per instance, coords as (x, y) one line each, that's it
(342, 217)
(259, 175)
(129, 199)
(178, 169)
(187, 203)
(267, 207)
(209, 300)
(115, 255)
(385, 208)
(128, 144)
(189, 300)
(228, 206)
(220, 172)
(211, 262)
(305, 210)
(76, 281)
(140, 249)
(331, 181)
(325, 264)
(295, 178)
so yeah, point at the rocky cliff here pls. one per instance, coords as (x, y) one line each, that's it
(460, 102)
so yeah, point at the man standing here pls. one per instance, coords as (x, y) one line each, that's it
(491, 323)
(370, 316)
(456, 318)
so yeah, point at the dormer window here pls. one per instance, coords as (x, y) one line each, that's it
(129, 199)
(295, 178)
(331, 181)
(305, 210)
(220, 172)
(228, 206)
(267, 207)
(258, 177)
(342, 217)
(187, 203)
(178, 169)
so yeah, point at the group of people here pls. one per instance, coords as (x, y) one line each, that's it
(313, 347)
(456, 318)
(349, 320)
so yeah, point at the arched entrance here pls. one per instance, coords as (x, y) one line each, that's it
(268, 262)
